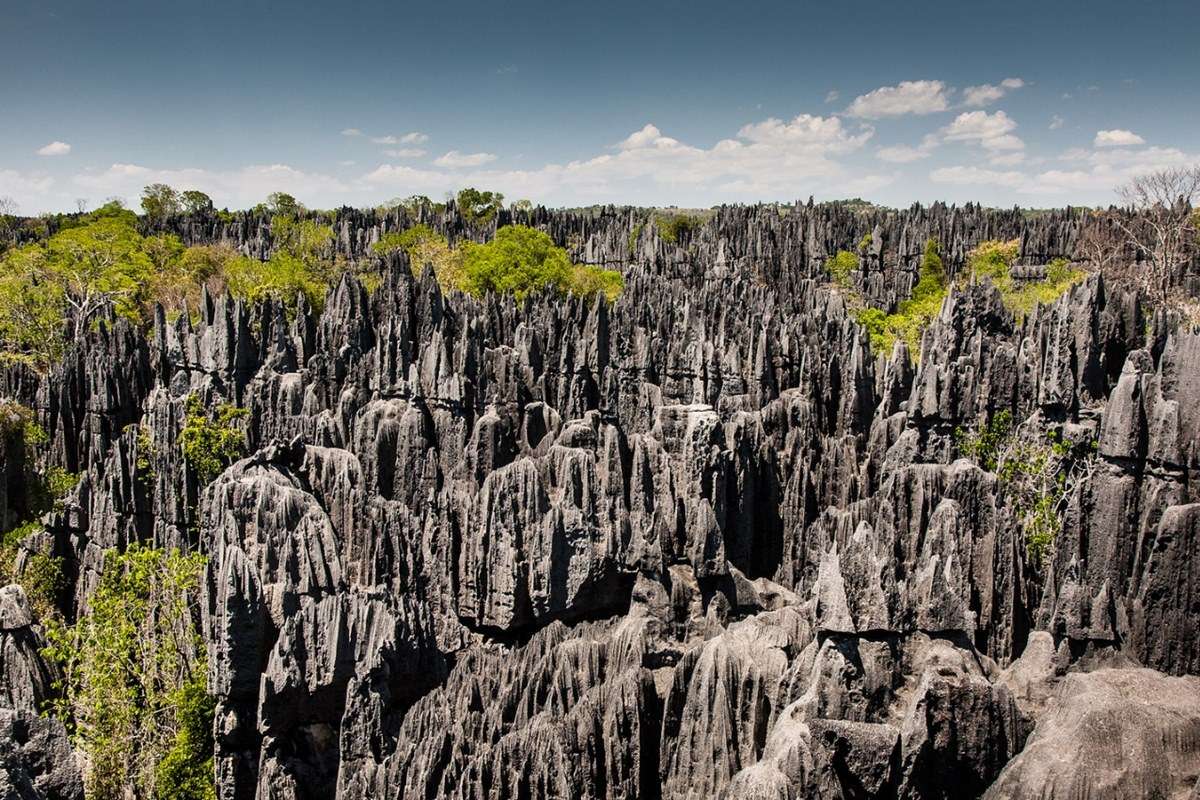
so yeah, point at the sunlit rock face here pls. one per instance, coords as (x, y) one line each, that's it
(701, 542)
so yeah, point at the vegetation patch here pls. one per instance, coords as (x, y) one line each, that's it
(913, 315)
(132, 687)
(671, 227)
(1038, 474)
(211, 441)
(518, 260)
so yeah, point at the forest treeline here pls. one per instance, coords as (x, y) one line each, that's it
(52, 289)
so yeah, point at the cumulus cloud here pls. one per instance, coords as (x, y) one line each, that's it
(351, 132)
(905, 154)
(1117, 138)
(23, 185)
(991, 131)
(823, 134)
(1084, 172)
(405, 152)
(832, 96)
(1056, 122)
(908, 97)
(975, 176)
(768, 158)
(1010, 159)
(455, 159)
(415, 137)
(987, 93)
(54, 149)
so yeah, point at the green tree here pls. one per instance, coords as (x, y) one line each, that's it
(211, 442)
(479, 206)
(282, 203)
(51, 293)
(520, 260)
(517, 260)
(133, 677)
(196, 202)
(160, 202)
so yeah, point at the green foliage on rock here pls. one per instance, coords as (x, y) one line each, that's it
(840, 267)
(1037, 474)
(211, 441)
(913, 315)
(41, 574)
(518, 260)
(671, 227)
(993, 261)
(635, 236)
(132, 687)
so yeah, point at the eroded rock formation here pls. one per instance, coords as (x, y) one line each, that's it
(698, 543)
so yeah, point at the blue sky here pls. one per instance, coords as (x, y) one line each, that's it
(690, 103)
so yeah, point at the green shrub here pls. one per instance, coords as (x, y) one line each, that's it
(992, 259)
(671, 226)
(520, 260)
(43, 580)
(186, 770)
(517, 260)
(1060, 277)
(284, 278)
(913, 315)
(211, 442)
(635, 236)
(423, 245)
(586, 280)
(983, 446)
(1037, 475)
(841, 266)
(132, 671)
(864, 242)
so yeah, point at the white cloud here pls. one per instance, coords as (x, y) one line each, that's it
(987, 93)
(456, 159)
(1087, 173)
(808, 132)
(831, 96)
(20, 184)
(905, 154)
(975, 176)
(991, 131)
(1056, 122)
(1117, 138)
(351, 132)
(54, 149)
(901, 154)
(415, 137)
(405, 152)
(909, 97)
(771, 158)
(646, 136)
(1007, 159)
